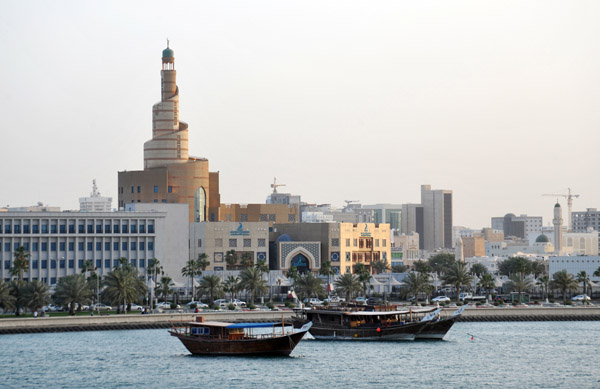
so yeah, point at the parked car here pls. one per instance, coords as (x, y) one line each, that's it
(134, 307)
(465, 296)
(239, 303)
(361, 300)
(51, 308)
(376, 301)
(581, 297)
(166, 306)
(422, 297)
(101, 307)
(312, 301)
(334, 299)
(199, 304)
(223, 303)
(440, 299)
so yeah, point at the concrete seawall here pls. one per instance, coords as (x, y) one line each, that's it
(127, 322)
(138, 321)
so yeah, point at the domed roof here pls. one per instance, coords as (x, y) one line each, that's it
(542, 239)
(168, 53)
(557, 205)
(284, 238)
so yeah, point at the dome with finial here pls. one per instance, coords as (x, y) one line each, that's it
(542, 239)
(168, 53)
(557, 205)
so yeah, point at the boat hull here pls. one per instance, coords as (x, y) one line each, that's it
(404, 332)
(436, 330)
(280, 345)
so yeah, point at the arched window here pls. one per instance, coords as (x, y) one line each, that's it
(200, 205)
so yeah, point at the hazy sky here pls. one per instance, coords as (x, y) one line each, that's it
(340, 100)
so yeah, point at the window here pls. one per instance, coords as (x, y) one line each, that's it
(63, 229)
(134, 229)
(376, 242)
(232, 242)
(44, 228)
(262, 243)
(98, 246)
(199, 242)
(142, 262)
(151, 228)
(71, 246)
(247, 242)
(384, 243)
(53, 246)
(90, 246)
(72, 229)
(98, 263)
(355, 242)
(116, 229)
(125, 228)
(44, 264)
(6, 265)
(124, 246)
(71, 263)
(150, 246)
(7, 229)
(218, 242)
(292, 218)
(263, 217)
(53, 229)
(80, 246)
(53, 264)
(142, 228)
(81, 228)
(170, 189)
(155, 189)
(142, 248)
(116, 246)
(132, 189)
(61, 246)
(139, 189)
(347, 242)
(7, 246)
(34, 246)
(17, 229)
(335, 242)
(36, 229)
(26, 229)
(272, 217)
(80, 263)
(44, 246)
(133, 246)
(34, 264)
(99, 229)
(106, 246)
(107, 228)
(115, 262)
(90, 229)
(244, 217)
(133, 263)
(107, 263)
(62, 263)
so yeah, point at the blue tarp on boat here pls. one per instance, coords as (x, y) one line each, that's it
(252, 325)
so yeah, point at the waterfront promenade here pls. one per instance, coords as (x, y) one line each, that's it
(162, 320)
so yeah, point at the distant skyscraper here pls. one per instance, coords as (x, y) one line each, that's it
(437, 218)
(170, 174)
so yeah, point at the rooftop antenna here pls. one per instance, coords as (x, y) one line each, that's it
(275, 185)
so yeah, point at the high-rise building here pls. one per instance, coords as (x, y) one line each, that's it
(585, 220)
(523, 226)
(437, 218)
(170, 174)
(387, 213)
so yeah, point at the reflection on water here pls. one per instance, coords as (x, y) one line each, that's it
(515, 354)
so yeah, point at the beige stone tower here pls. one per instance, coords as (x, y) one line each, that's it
(170, 175)
(557, 221)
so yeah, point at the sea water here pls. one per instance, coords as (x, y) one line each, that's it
(473, 355)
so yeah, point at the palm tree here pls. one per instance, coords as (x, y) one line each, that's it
(308, 285)
(231, 259)
(192, 269)
(71, 290)
(487, 282)
(478, 269)
(584, 278)
(7, 301)
(457, 275)
(417, 282)
(36, 294)
(520, 283)
(348, 284)
(422, 266)
(20, 263)
(364, 275)
(212, 285)
(399, 269)
(564, 281)
(381, 266)
(292, 273)
(247, 260)
(597, 272)
(124, 286)
(164, 287)
(88, 265)
(154, 269)
(537, 268)
(251, 280)
(16, 289)
(327, 270)
(231, 284)
(261, 266)
(203, 261)
(543, 281)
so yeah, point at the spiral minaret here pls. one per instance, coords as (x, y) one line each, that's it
(169, 143)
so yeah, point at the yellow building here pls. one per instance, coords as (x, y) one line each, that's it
(306, 245)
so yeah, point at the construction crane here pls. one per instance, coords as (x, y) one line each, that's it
(569, 196)
(275, 185)
(348, 202)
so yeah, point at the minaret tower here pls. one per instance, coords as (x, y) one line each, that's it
(169, 143)
(557, 221)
